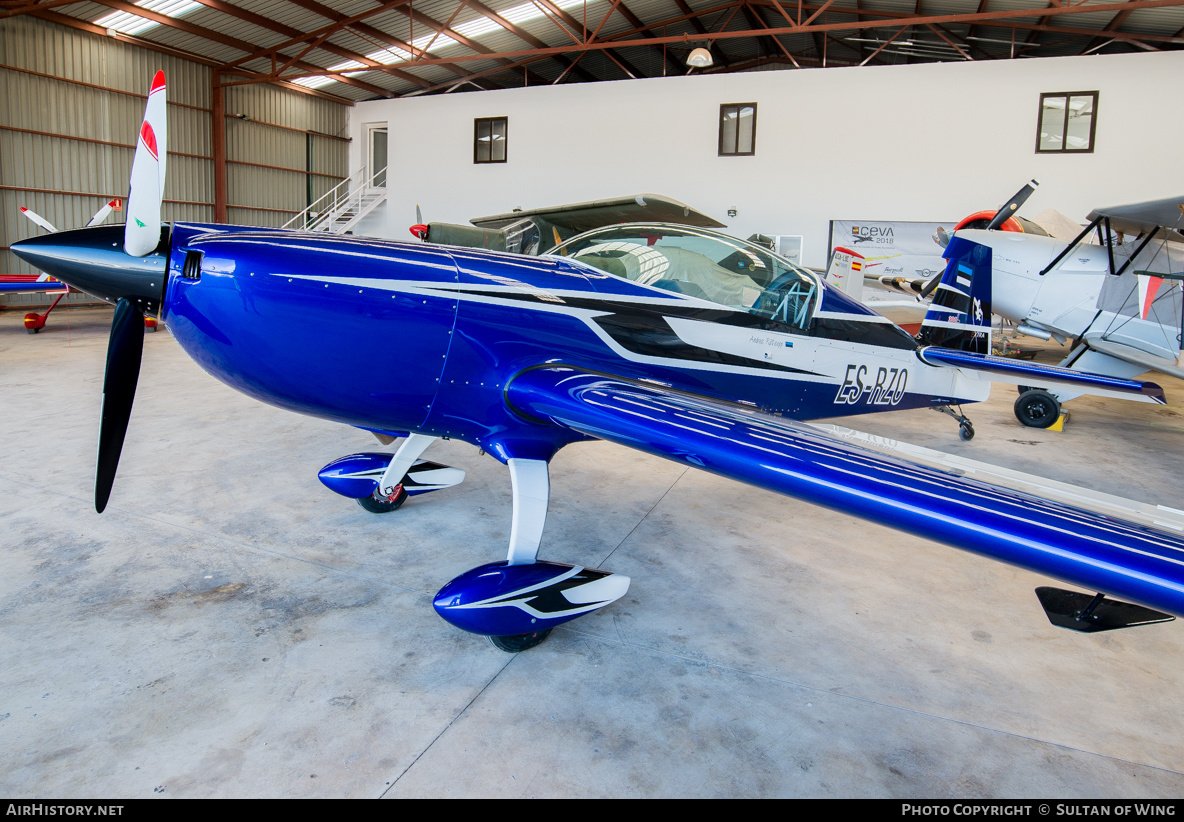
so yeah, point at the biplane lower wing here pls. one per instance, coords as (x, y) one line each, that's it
(1133, 356)
(1103, 554)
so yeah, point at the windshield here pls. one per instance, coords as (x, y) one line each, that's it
(700, 263)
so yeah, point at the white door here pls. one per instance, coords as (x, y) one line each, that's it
(377, 158)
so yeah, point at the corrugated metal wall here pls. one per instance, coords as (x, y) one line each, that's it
(70, 108)
(272, 196)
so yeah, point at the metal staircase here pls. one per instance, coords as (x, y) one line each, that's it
(340, 209)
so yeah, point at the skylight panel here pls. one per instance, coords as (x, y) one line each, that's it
(388, 56)
(522, 13)
(128, 23)
(315, 82)
(475, 28)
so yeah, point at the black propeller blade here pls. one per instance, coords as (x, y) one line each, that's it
(1012, 206)
(931, 284)
(124, 351)
(1001, 216)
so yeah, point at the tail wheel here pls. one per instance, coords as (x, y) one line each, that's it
(1036, 408)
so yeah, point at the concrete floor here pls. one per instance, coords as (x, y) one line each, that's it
(231, 628)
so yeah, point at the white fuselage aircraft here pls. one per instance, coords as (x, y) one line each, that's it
(1120, 304)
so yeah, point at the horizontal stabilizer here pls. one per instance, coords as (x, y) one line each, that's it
(1097, 552)
(1139, 218)
(1050, 377)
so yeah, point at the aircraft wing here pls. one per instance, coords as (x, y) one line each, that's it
(578, 217)
(1103, 554)
(1138, 218)
(1128, 353)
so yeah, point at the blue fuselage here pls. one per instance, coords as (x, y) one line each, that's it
(368, 333)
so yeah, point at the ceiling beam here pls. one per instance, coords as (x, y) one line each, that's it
(139, 42)
(556, 15)
(224, 39)
(525, 36)
(377, 36)
(279, 28)
(993, 18)
(467, 42)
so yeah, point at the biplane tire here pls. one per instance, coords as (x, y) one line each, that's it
(383, 505)
(518, 642)
(1036, 408)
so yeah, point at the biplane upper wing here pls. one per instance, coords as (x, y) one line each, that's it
(1141, 564)
(1139, 218)
(578, 217)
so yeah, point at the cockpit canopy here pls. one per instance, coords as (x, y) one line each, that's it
(700, 263)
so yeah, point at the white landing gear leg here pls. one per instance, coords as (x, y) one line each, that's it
(517, 603)
(532, 491)
(389, 495)
(409, 451)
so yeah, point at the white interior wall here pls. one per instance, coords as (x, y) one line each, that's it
(921, 142)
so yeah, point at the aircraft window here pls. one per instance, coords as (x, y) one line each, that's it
(702, 264)
(1067, 122)
(489, 139)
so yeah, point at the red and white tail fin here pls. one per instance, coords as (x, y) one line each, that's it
(142, 233)
(37, 218)
(846, 272)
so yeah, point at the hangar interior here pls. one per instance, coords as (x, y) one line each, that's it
(228, 627)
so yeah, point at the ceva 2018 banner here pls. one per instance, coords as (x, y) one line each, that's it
(891, 248)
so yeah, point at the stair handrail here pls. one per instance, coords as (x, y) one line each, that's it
(322, 211)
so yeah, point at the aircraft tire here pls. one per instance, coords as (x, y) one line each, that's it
(518, 642)
(1037, 408)
(383, 506)
(966, 432)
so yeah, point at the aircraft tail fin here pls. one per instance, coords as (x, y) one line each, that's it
(846, 272)
(960, 315)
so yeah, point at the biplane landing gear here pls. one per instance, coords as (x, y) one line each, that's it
(965, 426)
(1036, 408)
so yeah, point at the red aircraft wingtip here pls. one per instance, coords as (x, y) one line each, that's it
(157, 82)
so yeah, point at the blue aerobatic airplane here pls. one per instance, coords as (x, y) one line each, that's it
(677, 341)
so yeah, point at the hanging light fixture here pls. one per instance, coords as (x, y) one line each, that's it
(700, 58)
